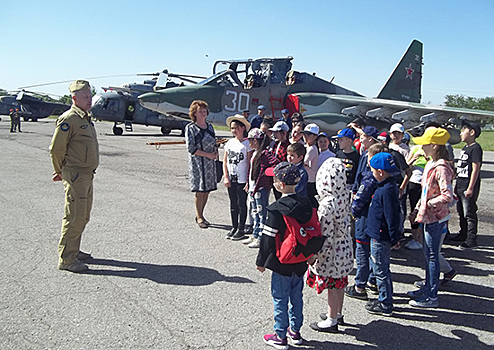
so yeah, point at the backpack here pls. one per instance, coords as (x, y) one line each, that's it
(301, 241)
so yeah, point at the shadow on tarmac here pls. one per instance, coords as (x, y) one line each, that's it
(486, 174)
(385, 334)
(163, 274)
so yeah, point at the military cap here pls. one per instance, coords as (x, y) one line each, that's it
(80, 84)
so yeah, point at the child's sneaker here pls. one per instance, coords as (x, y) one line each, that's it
(448, 276)
(275, 341)
(377, 308)
(295, 337)
(413, 245)
(231, 233)
(353, 293)
(468, 246)
(372, 288)
(249, 240)
(256, 243)
(419, 283)
(424, 303)
(239, 235)
(416, 294)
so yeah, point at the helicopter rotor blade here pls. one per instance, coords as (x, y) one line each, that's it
(148, 74)
(69, 81)
(173, 75)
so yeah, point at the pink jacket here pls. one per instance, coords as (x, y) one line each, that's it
(439, 193)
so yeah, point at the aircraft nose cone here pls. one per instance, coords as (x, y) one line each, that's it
(149, 97)
(149, 100)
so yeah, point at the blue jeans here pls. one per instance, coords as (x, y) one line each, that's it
(380, 261)
(259, 211)
(288, 302)
(364, 271)
(362, 255)
(432, 244)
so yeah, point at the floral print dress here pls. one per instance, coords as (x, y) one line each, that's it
(335, 260)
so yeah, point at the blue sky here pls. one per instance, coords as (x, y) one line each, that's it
(358, 42)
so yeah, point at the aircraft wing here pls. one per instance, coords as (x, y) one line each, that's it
(409, 113)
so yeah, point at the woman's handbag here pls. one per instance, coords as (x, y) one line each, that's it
(219, 170)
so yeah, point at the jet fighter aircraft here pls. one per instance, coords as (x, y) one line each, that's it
(273, 83)
(245, 84)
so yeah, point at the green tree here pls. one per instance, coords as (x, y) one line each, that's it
(67, 99)
(461, 101)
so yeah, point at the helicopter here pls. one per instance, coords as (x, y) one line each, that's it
(30, 106)
(272, 82)
(119, 104)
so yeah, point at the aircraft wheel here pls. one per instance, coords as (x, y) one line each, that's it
(26, 119)
(117, 131)
(165, 131)
(34, 119)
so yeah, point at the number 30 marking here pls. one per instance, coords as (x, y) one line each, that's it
(243, 101)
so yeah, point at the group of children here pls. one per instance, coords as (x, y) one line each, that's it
(252, 150)
(306, 175)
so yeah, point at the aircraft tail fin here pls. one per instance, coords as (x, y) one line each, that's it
(405, 82)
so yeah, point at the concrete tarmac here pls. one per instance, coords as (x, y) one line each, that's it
(158, 281)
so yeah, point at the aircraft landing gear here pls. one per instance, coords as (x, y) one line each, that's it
(165, 131)
(117, 130)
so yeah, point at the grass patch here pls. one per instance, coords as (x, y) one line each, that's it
(222, 128)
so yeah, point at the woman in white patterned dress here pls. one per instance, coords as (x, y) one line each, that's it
(203, 151)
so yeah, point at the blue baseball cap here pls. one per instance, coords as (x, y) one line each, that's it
(347, 132)
(385, 161)
(283, 111)
(261, 107)
(371, 131)
(323, 134)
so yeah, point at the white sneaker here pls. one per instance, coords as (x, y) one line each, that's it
(248, 240)
(256, 243)
(413, 245)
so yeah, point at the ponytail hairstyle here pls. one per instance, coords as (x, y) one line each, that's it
(256, 162)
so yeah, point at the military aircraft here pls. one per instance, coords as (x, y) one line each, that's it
(30, 106)
(272, 83)
(120, 105)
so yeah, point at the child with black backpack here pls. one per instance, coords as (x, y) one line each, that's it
(287, 280)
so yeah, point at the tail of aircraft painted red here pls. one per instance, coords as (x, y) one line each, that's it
(405, 82)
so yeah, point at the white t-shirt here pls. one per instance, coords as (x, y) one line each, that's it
(237, 163)
(310, 162)
(402, 148)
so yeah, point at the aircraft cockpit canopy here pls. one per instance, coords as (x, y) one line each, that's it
(106, 103)
(226, 78)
